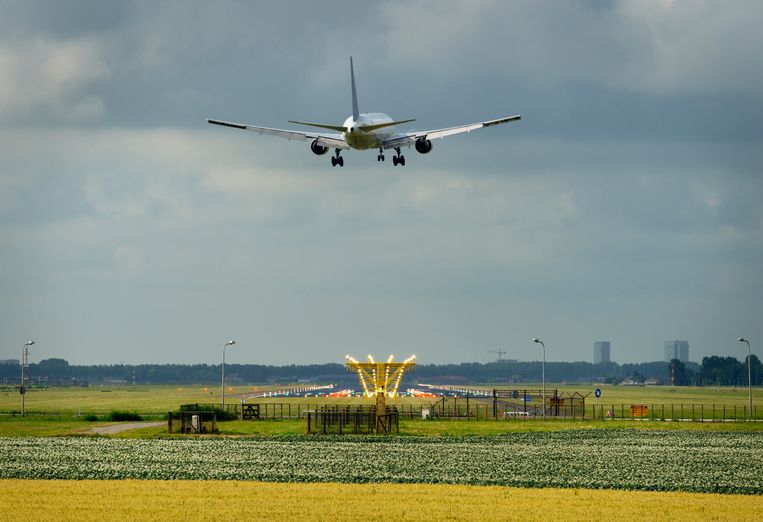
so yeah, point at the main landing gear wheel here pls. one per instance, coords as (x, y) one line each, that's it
(398, 159)
(337, 160)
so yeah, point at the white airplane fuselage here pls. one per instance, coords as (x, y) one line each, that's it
(360, 139)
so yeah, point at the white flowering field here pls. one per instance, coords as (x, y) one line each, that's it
(722, 462)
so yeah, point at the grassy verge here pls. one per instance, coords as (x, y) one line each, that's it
(165, 500)
(63, 426)
(44, 426)
(459, 428)
(481, 428)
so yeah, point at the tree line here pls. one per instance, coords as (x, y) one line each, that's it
(717, 371)
(714, 370)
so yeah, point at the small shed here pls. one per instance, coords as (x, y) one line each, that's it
(192, 422)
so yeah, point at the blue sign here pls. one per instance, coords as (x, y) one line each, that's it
(597, 392)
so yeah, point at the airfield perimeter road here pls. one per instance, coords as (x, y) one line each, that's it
(118, 428)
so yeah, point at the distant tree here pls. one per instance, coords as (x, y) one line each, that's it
(677, 371)
(54, 368)
(724, 371)
(756, 370)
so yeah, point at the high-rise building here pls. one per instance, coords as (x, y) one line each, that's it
(677, 350)
(601, 352)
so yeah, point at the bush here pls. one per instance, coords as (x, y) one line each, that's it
(121, 416)
(91, 418)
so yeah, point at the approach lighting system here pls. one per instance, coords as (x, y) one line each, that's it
(380, 378)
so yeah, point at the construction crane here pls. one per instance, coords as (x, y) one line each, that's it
(499, 352)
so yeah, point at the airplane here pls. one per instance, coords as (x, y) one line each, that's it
(365, 131)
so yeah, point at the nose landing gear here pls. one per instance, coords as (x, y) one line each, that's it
(380, 157)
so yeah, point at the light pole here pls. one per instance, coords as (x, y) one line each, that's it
(24, 364)
(749, 371)
(543, 372)
(222, 394)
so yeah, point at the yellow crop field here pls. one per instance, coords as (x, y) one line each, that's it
(228, 500)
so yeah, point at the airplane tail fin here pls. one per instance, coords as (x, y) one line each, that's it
(355, 112)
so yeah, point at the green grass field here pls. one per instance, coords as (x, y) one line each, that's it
(46, 426)
(158, 400)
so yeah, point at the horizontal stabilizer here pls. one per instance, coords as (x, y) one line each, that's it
(338, 128)
(371, 128)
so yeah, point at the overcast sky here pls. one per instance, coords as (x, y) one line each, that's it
(625, 206)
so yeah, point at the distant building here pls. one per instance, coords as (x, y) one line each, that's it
(677, 350)
(601, 353)
(10, 361)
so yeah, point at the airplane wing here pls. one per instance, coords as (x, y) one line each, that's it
(408, 139)
(335, 141)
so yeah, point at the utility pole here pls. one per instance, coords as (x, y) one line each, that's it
(749, 371)
(222, 387)
(543, 372)
(24, 365)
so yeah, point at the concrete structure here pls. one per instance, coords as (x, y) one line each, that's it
(677, 350)
(601, 352)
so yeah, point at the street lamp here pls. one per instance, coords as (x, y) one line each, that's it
(24, 364)
(222, 395)
(749, 371)
(543, 371)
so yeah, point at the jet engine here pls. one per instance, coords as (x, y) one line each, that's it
(423, 145)
(318, 150)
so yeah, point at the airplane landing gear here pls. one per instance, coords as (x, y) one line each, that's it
(337, 159)
(380, 157)
(398, 159)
